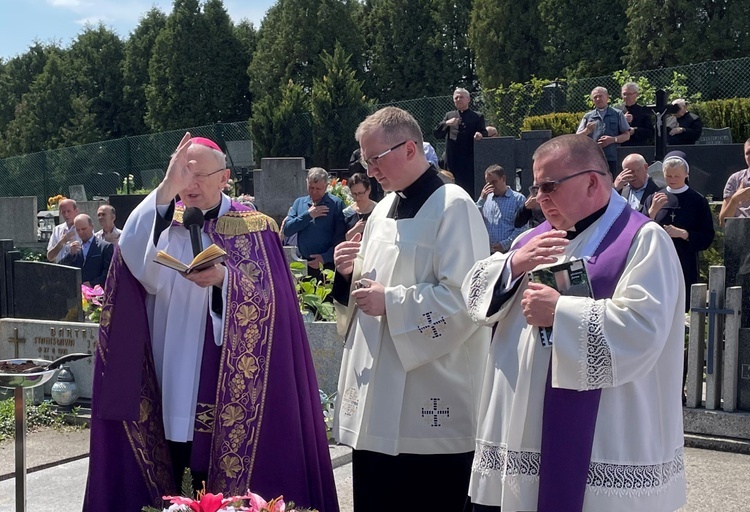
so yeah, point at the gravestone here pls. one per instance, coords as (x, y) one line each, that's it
(326, 346)
(743, 371)
(715, 136)
(90, 208)
(39, 339)
(278, 183)
(77, 193)
(124, 206)
(18, 220)
(6, 290)
(47, 291)
(240, 153)
(737, 260)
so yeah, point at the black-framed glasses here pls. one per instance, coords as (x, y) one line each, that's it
(373, 160)
(204, 176)
(550, 186)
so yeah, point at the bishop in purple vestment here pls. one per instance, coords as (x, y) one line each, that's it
(211, 370)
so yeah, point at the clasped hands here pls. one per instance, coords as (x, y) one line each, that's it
(368, 294)
(539, 301)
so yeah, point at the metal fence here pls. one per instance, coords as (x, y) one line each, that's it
(103, 167)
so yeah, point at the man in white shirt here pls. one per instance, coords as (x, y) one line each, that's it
(106, 216)
(589, 419)
(64, 233)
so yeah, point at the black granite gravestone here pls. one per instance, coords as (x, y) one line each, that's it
(5, 291)
(491, 151)
(124, 205)
(715, 136)
(737, 260)
(743, 370)
(47, 291)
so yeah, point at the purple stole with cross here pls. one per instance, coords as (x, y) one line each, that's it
(569, 417)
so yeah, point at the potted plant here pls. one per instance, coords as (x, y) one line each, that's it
(312, 292)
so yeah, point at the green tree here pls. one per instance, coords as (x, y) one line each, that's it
(282, 127)
(583, 38)
(673, 32)
(42, 112)
(138, 50)
(178, 91)
(337, 106)
(95, 62)
(227, 63)
(504, 35)
(292, 37)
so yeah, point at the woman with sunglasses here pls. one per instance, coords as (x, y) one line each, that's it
(685, 216)
(356, 214)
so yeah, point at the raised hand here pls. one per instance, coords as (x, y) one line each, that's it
(178, 176)
(540, 250)
(345, 253)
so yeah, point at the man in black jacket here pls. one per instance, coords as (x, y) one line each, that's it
(92, 255)
(460, 128)
(637, 116)
(685, 127)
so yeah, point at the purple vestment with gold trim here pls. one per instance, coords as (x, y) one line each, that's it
(259, 422)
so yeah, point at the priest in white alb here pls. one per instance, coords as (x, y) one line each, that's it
(413, 359)
(592, 419)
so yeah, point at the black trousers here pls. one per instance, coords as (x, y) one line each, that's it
(435, 482)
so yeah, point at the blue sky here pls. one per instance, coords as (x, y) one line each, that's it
(24, 21)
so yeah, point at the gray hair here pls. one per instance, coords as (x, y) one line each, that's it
(316, 174)
(462, 91)
(600, 89)
(631, 86)
(395, 124)
(681, 102)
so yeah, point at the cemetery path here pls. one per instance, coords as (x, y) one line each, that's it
(716, 480)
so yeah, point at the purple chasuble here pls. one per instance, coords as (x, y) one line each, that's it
(259, 423)
(569, 416)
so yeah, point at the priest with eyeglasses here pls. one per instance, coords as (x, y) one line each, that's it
(580, 408)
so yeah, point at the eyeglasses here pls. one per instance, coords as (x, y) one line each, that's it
(629, 93)
(204, 176)
(373, 160)
(550, 186)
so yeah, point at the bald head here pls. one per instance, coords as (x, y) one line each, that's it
(638, 167)
(84, 227)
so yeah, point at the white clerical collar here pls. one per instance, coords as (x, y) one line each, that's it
(678, 190)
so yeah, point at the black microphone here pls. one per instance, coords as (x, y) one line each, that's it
(192, 219)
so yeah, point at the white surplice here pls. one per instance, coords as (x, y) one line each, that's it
(410, 379)
(635, 344)
(177, 311)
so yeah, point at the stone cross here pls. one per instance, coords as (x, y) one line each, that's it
(16, 340)
(712, 311)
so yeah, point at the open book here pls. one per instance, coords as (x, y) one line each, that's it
(569, 278)
(211, 255)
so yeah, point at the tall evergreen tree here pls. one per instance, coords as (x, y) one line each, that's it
(292, 37)
(95, 61)
(337, 106)
(227, 64)
(584, 38)
(505, 36)
(178, 91)
(138, 50)
(42, 112)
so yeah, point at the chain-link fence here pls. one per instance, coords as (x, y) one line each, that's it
(103, 168)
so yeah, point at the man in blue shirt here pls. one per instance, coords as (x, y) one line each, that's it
(499, 205)
(606, 126)
(318, 221)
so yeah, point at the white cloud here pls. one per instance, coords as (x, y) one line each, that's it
(93, 20)
(65, 3)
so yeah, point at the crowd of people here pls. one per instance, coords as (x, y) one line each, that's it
(468, 382)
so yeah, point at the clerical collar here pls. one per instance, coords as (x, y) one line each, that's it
(212, 213)
(410, 200)
(678, 190)
(582, 224)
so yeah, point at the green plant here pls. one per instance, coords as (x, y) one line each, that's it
(560, 123)
(42, 415)
(312, 292)
(32, 255)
